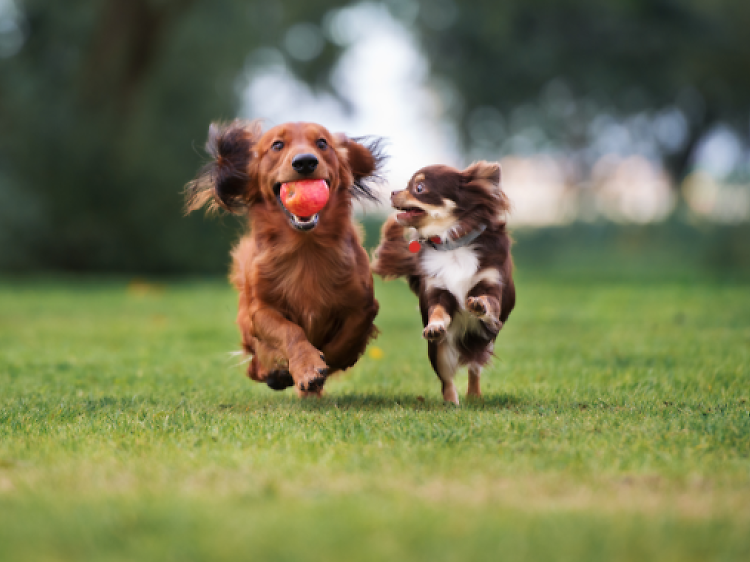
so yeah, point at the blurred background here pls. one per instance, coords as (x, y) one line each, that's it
(623, 127)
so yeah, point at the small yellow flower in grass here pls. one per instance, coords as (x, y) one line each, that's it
(140, 288)
(375, 353)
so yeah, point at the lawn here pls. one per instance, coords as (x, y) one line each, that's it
(615, 425)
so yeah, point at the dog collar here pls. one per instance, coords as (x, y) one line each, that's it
(454, 242)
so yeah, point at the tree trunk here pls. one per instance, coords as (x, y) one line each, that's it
(125, 45)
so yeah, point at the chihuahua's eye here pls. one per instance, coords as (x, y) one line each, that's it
(322, 144)
(278, 145)
(419, 188)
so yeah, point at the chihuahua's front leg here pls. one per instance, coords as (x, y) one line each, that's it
(484, 302)
(438, 307)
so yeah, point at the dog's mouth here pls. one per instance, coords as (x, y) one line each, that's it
(298, 222)
(409, 214)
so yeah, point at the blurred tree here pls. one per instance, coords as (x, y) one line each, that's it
(553, 66)
(103, 111)
(104, 104)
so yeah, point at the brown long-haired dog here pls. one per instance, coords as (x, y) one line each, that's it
(306, 301)
(449, 240)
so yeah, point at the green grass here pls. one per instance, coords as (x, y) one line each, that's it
(615, 426)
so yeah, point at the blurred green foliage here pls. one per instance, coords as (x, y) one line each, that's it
(104, 108)
(103, 113)
(554, 66)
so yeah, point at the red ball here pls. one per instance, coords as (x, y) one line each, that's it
(304, 198)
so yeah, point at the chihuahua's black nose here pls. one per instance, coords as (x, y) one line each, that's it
(305, 163)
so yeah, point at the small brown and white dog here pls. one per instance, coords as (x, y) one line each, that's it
(450, 241)
(306, 301)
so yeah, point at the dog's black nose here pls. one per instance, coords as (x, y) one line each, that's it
(305, 163)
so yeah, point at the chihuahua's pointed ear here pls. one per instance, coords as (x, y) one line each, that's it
(365, 158)
(486, 176)
(482, 171)
(226, 181)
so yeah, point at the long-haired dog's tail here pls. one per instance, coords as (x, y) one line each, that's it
(224, 181)
(392, 256)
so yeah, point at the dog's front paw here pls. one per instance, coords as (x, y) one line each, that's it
(279, 380)
(313, 381)
(477, 306)
(434, 332)
(480, 307)
(310, 374)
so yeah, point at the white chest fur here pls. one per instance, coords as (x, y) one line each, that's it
(453, 271)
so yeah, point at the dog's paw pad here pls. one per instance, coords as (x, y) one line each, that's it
(476, 306)
(314, 384)
(279, 380)
(434, 332)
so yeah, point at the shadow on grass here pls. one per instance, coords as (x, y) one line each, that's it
(148, 405)
(392, 402)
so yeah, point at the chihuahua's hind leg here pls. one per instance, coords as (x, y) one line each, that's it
(475, 372)
(444, 359)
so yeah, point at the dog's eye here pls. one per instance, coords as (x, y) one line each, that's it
(322, 144)
(278, 145)
(419, 188)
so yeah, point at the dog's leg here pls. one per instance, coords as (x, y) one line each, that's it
(475, 372)
(437, 324)
(438, 307)
(274, 367)
(444, 359)
(350, 340)
(487, 309)
(267, 365)
(306, 364)
(484, 303)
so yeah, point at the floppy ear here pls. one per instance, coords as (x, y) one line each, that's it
(486, 176)
(365, 158)
(226, 181)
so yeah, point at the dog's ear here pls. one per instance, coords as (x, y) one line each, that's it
(226, 181)
(486, 176)
(484, 172)
(364, 159)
